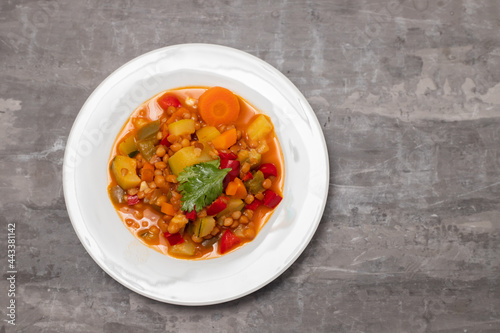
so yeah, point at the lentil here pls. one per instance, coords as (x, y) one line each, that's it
(160, 180)
(249, 233)
(176, 147)
(132, 191)
(245, 167)
(160, 165)
(248, 213)
(228, 221)
(161, 151)
(171, 179)
(249, 199)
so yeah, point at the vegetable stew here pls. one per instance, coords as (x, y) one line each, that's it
(196, 172)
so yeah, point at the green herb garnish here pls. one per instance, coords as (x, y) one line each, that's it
(201, 184)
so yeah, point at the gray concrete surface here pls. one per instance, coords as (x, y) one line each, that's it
(408, 96)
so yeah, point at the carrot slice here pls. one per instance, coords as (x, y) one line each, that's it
(177, 115)
(147, 172)
(237, 189)
(225, 140)
(219, 106)
(168, 209)
(231, 188)
(241, 191)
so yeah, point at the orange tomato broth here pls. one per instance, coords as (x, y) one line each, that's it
(151, 111)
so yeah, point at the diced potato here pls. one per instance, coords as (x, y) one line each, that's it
(203, 226)
(187, 156)
(252, 156)
(207, 133)
(259, 128)
(232, 206)
(124, 170)
(127, 146)
(185, 249)
(182, 127)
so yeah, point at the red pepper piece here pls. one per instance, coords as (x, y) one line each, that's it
(234, 165)
(271, 199)
(268, 169)
(231, 164)
(248, 176)
(132, 200)
(168, 100)
(217, 206)
(191, 215)
(174, 239)
(253, 206)
(165, 141)
(227, 156)
(228, 241)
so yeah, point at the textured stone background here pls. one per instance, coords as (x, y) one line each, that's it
(408, 96)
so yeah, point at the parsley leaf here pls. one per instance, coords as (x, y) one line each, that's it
(201, 184)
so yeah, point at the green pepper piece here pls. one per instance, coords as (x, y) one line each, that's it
(149, 130)
(209, 243)
(116, 194)
(147, 148)
(254, 185)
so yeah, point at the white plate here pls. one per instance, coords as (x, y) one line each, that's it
(236, 274)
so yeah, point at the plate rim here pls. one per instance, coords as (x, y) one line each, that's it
(67, 180)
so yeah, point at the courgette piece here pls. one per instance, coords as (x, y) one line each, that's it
(124, 170)
(127, 146)
(203, 226)
(232, 206)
